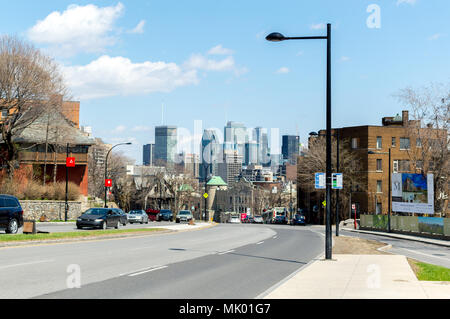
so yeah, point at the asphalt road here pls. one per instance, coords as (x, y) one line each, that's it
(225, 261)
(428, 253)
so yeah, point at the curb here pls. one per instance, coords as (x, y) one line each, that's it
(397, 237)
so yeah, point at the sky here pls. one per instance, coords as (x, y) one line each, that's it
(208, 61)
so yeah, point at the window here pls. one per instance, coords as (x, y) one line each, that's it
(378, 209)
(404, 143)
(419, 165)
(379, 188)
(354, 142)
(393, 142)
(418, 142)
(379, 145)
(404, 166)
(379, 165)
(4, 113)
(395, 166)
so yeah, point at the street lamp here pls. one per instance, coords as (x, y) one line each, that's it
(389, 186)
(106, 165)
(277, 37)
(336, 134)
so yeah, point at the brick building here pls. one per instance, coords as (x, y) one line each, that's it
(371, 144)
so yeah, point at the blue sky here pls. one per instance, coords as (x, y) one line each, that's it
(209, 61)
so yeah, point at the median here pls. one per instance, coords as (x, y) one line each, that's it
(8, 239)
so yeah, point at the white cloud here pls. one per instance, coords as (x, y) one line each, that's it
(219, 50)
(344, 59)
(139, 28)
(141, 128)
(283, 70)
(319, 26)
(110, 76)
(198, 61)
(411, 2)
(436, 36)
(120, 129)
(77, 29)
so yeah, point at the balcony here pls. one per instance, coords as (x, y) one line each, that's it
(39, 157)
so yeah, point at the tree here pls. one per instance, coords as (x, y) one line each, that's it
(30, 83)
(314, 161)
(430, 111)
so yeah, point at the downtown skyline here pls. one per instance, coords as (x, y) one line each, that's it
(227, 71)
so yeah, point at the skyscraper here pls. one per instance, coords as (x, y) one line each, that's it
(290, 148)
(165, 144)
(251, 153)
(211, 153)
(148, 154)
(262, 141)
(235, 137)
(230, 167)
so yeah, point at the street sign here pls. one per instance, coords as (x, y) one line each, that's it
(320, 181)
(108, 182)
(336, 179)
(70, 161)
(205, 195)
(353, 206)
(324, 203)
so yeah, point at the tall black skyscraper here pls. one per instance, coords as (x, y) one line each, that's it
(148, 157)
(290, 148)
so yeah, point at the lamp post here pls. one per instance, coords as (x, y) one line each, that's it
(106, 164)
(336, 134)
(277, 37)
(389, 186)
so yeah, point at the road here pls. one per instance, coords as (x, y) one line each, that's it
(225, 261)
(428, 253)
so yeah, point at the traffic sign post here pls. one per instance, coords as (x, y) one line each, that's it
(337, 180)
(108, 182)
(70, 161)
(320, 181)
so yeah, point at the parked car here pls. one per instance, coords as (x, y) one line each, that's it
(137, 216)
(166, 215)
(234, 220)
(298, 219)
(280, 219)
(152, 214)
(258, 220)
(100, 218)
(250, 220)
(184, 216)
(11, 214)
(123, 216)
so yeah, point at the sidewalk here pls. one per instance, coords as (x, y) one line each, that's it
(439, 242)
(359, 277)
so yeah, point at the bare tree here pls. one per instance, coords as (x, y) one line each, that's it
(30, 82)
(430, 111)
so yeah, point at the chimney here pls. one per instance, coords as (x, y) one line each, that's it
(405, 118)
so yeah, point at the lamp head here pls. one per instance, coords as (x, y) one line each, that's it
(275, 37)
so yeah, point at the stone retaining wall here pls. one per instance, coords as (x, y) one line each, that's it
(53, 210)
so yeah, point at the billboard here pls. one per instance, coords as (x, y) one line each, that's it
(413, 193)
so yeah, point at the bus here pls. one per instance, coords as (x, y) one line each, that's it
(270, 215)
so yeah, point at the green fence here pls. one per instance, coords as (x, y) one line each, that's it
(424, 225)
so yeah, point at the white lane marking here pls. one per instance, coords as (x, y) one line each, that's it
(29, 263)
(259, 243)
(420, 253)
(146, 271)
(226, 252)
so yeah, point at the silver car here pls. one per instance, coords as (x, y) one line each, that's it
(137, 216)
(184, 216)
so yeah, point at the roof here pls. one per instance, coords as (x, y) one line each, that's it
(186, 188)
(60, 130)
(216, 181)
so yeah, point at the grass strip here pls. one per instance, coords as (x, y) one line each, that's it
(428, 272)
(78, 234)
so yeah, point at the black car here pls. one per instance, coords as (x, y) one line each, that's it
(11, 214)
(280, 219)
(100, 218)
(298, 219)
(165, 215)
(123, 216)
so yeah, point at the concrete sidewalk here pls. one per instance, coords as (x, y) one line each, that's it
(359, 277)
